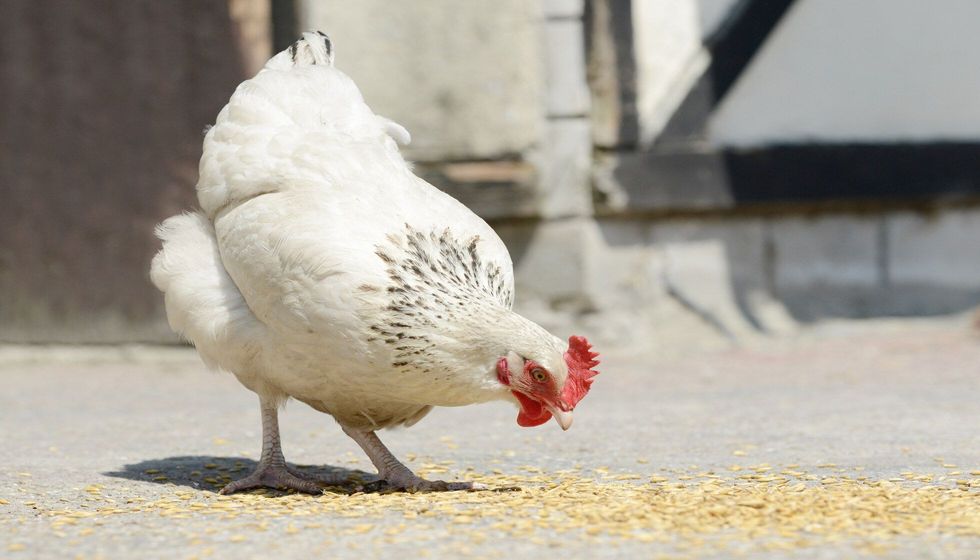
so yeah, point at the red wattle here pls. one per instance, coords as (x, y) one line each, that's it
(532, 412)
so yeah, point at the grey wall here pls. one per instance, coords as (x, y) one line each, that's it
(102, 104)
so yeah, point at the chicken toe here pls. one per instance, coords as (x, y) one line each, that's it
(272, 476)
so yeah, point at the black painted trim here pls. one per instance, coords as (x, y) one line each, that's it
(803, 175)
(854, 172)
(737, 41)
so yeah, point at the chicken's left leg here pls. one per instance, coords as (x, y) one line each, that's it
(394, 472)
(272, 471)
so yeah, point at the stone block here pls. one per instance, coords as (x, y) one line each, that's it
(553, 266)
(743, 243)
(829, 266)
(564, 169)
(630, 282)
(938, 250)
(563, 8)
(716, 269)
(625, 275)
(554, 261)
(826, 251)
(567, 92)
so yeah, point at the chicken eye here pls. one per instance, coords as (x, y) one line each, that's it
(539, 375)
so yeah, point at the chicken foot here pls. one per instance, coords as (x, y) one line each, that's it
(272, 470)
(397, 475)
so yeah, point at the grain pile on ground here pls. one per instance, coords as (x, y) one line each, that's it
(746, 508)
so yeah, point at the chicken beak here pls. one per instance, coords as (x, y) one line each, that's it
(563, 418)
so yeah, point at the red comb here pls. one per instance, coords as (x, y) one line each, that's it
(580, 359)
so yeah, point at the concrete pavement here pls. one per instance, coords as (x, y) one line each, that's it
(113, 453)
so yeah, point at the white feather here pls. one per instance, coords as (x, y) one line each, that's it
(280, 281)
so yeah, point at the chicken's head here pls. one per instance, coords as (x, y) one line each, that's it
(543, 392)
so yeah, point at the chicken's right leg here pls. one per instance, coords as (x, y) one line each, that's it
(397, 475)
(272, 471)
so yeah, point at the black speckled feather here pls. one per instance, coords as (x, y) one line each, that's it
(433, 278)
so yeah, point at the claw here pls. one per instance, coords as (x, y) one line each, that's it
(418, 484)
(273, 477)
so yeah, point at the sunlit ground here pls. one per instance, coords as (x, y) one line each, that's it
(853, 441)
(749, 508)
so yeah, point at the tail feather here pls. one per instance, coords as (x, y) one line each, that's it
(203, 303)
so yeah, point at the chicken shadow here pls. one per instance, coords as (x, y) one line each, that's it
(210, 474)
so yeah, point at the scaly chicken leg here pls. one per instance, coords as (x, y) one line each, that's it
(272, 471)
(397, 475)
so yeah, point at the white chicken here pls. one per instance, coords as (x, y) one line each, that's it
(320, 268)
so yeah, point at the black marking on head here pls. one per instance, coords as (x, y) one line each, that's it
(327, 42)
(293, 49)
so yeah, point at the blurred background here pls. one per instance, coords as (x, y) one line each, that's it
(661, 169)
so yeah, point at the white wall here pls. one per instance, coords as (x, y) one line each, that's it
(860, 71)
